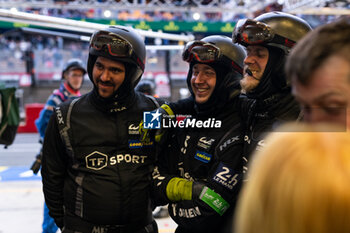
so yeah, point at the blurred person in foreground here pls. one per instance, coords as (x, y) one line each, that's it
(72, 79)
(299, 183)
(96, 173)
(201, 173)
(267, 100)
(319, 69)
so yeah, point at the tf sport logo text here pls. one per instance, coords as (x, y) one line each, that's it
(152, 120)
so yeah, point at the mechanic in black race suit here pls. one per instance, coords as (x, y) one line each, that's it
(97, 175)
(200, 171)
(267, 101)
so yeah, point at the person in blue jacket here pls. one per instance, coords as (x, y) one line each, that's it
(72, 79)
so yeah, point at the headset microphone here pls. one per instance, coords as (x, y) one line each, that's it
(251, 74)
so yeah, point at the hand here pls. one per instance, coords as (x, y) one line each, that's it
(37, 163)
(36, 166)
(179, 189)
(147, 134)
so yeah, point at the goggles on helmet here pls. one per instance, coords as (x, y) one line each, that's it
(252, 32)
(115, 45)
(206, 53)
(201, 51)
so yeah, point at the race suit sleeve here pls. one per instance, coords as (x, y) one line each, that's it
(166, 168)
(54, 164)
(225, 179)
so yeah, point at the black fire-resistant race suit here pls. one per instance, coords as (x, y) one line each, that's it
(212, 157)
(200, 169)
(264, 116)
(269, 105)
(103, 179)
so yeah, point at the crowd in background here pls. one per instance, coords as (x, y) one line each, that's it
(185, 16)
(49, 52)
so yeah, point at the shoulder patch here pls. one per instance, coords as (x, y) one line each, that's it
(225, 176)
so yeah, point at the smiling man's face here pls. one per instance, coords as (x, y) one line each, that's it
(203, 82)
(255, 61)
(108, 76)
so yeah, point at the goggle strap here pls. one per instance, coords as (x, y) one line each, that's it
(282, 40)
(141, 64)
(237, 67)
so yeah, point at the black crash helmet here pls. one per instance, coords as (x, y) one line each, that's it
(121, 44)
(275, 29)
(215, 49)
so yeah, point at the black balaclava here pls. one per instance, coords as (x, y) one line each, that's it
(122, 97)
(226, 88)
(273, 80)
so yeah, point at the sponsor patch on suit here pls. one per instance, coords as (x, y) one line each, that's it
(136, 144)
(225, 176)
(203, 156)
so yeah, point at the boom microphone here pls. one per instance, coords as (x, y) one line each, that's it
(251, 74)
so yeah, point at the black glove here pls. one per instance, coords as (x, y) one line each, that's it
(37, 163)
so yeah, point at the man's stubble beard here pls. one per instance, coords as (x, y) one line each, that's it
(248, 84)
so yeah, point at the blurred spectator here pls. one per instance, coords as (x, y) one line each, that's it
(225, 16)
(146, 87)
(299, 183)
(319, 67)
(49, 53)
(124, 15)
